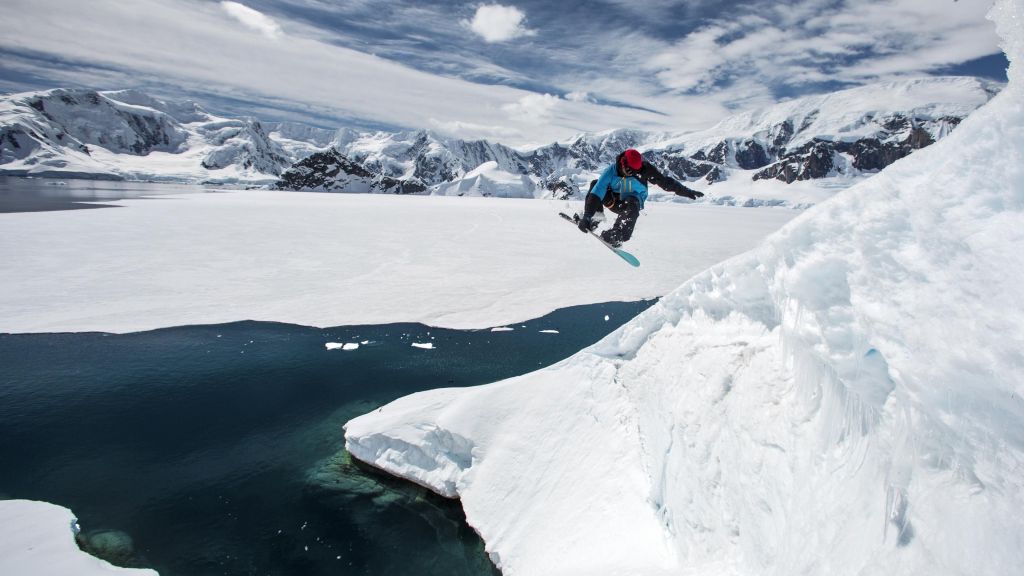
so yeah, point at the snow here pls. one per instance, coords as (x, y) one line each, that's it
(323, 260)
(844, 399)
(38, 540)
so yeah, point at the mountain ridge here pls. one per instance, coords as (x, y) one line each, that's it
(131, 135)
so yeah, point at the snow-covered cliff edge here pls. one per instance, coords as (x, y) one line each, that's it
(845, 399)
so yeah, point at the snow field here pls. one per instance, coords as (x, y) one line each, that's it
(339, 259)
(844, 399)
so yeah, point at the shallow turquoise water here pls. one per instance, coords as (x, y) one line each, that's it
(218, 449)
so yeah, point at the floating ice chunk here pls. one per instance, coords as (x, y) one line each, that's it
(425, 346)
(549, 331)
(35, 539)
(502, 329)
(342, 346)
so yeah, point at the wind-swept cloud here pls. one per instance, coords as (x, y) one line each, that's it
(824, 41)
(253, 19)
(497, 23)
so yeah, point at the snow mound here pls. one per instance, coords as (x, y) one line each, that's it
(489, 180)
(845, 399)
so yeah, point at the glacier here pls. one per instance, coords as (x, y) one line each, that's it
(843, 399)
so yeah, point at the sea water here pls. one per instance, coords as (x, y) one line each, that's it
(48, 194)
(206, 450)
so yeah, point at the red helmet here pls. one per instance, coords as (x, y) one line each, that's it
(632, 159)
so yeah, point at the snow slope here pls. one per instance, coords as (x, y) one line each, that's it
(844, 399)
(38, 540)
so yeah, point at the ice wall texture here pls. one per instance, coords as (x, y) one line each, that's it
(845, 399)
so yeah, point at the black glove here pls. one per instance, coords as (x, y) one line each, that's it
(691, 194)
(585, 224)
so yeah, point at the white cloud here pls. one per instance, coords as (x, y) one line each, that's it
(253, 19)
(579, 96)
(532, 108)
(497, 23)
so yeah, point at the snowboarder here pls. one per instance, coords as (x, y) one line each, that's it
(622, 187)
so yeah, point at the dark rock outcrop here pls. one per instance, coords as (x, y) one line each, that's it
(332, 171)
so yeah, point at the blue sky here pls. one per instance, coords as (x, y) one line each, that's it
(523, 72)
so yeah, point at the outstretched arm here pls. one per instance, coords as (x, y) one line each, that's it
(670, 184)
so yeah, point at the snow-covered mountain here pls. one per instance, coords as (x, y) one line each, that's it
(853, 131)
(424, 161)
(841, 135)
(129, 135)
(844, 399)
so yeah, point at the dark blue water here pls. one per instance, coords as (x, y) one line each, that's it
(219, 449)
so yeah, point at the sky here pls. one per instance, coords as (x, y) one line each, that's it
(523, 72)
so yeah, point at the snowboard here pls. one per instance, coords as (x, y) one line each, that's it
(622, 253)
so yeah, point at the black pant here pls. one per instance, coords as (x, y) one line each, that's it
(627, 209)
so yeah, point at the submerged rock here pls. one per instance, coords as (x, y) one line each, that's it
(114, 546)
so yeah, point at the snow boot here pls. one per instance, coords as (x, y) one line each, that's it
(587, 224)
(611, 238)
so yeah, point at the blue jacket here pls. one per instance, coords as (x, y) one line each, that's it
(614, 181)
(611, 181)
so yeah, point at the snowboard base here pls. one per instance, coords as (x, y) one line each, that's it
(632, 260)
